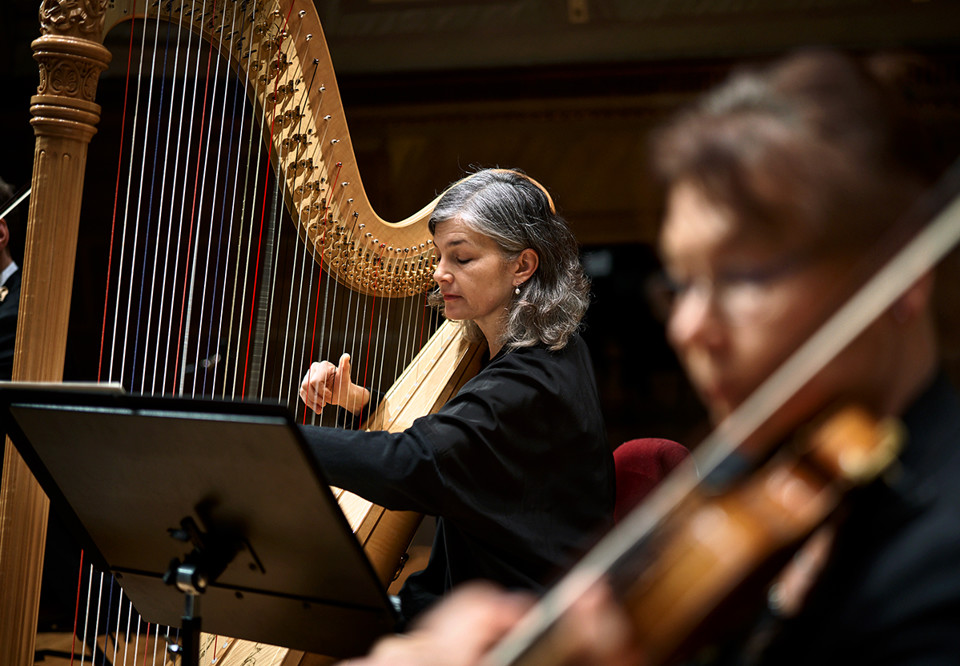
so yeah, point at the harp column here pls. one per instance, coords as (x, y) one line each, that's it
(64, 120)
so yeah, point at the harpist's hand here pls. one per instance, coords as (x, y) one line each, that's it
(327, 384)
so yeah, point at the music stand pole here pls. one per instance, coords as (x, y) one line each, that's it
(211, 554)
(189, 648)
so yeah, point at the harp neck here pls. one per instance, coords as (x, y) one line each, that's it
(278, 49)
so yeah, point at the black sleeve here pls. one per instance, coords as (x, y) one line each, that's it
(389, 469)
(350, 421)
(483, 442)
(428, 466)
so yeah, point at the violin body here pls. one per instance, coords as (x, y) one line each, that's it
(725, 545)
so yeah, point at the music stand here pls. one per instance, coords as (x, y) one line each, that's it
(156, 487)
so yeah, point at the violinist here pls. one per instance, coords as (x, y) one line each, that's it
(776, 185)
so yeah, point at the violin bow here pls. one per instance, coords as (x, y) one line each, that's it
(17, 200)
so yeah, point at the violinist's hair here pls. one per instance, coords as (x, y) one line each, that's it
(517, 212)
(813, 147)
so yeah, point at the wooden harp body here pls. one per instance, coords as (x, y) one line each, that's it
(276, 50)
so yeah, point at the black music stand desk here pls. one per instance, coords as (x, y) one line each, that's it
(126, 472)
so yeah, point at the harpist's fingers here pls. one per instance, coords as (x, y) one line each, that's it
(315, 388)
(305, 385)
(309, 402)
(341, 385)
(343, 371)
(319, 375)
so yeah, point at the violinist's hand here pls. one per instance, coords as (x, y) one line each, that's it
(327, 384)
(462, 629)
(456, 632)
(597, 631)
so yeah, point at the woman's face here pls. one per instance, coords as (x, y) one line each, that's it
(476, 281)
(741, 305)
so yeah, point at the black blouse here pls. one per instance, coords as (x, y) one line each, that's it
(516, 467)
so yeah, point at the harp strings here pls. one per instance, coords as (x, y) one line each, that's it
(211, 355)
(184, 188)
(293, 311)
(209, 292)
(300, 276)
(120, 647)
(174, 220)
(215, 235)
(161, 198)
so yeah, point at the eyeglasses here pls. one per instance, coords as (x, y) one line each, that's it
(741, 296)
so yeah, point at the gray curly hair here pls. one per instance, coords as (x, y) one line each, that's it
(518, 213)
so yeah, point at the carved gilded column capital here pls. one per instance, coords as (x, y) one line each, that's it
(69, 70)
(73, 18)
(71, 60)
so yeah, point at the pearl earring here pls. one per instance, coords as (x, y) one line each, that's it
(516, 290)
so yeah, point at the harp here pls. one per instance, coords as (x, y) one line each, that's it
(306, 166)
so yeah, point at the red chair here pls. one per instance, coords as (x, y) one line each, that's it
(640, 464)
